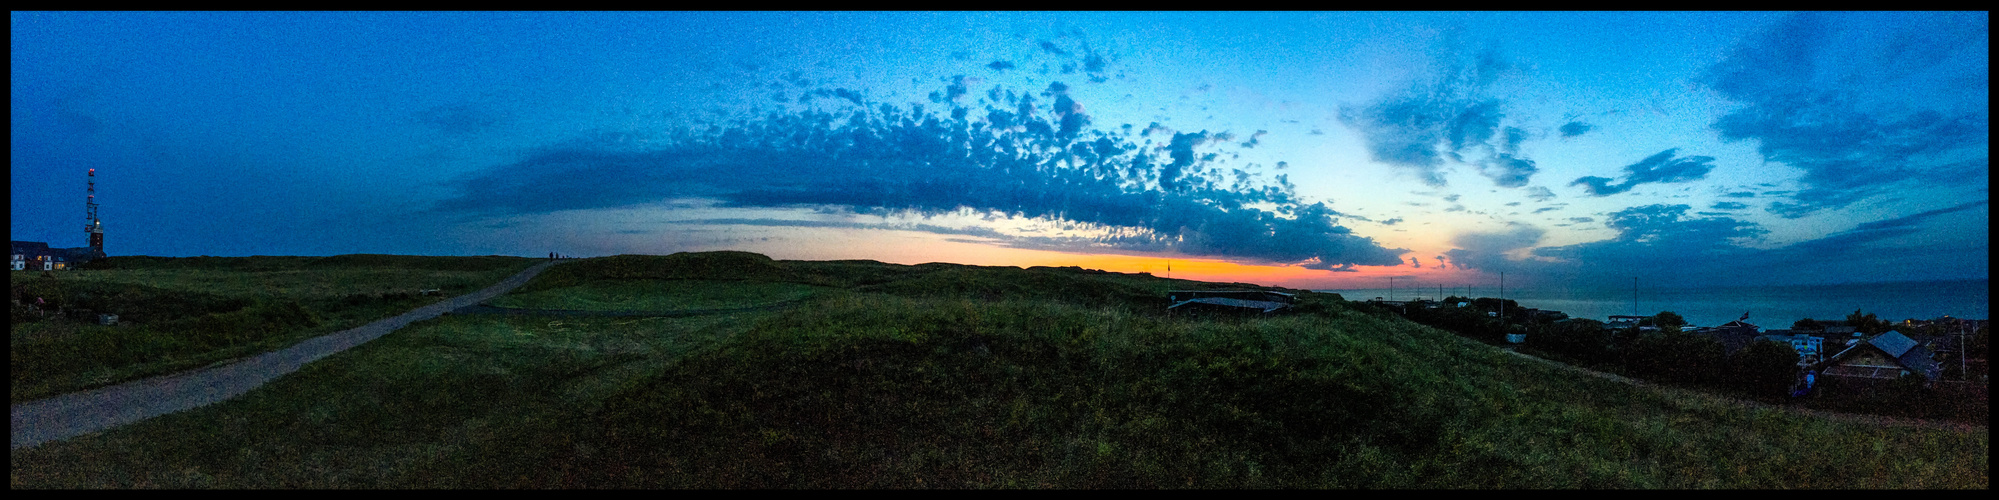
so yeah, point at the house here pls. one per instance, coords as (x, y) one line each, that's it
(1808, 346)
(1229, 301)
(37, 256)
(1886, 356)
(31, 256)
(1617, 321)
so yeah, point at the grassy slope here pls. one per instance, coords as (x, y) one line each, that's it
(180, 313)
(897, 385)
(658, 295)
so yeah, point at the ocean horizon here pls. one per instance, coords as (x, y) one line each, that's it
(1771, 307)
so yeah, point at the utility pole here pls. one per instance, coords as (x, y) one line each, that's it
(1634, 295)
(1391, 288)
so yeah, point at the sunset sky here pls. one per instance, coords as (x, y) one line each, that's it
(1310, 150)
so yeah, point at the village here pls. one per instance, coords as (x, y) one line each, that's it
(1859, 363)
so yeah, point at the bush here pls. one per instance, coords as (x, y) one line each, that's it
(1765, 369)
(1584, 340)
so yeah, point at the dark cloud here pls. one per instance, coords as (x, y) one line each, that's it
(1572, 129)
(1484, 250)
(1505, 170)
(1671, 248)
(1856, 126)
(1883, 230)
(1253, 140)
(1728, 205)
(1029, 160)
(1446, 118)
(1000, 65)
(1660, 167)
(1049, 47)
(1740, 194)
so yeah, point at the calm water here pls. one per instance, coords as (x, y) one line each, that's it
(1772, 307)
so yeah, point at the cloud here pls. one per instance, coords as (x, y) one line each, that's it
(1572, 129)
(1660, 167)
(1740, 194)
(1484, 250)
(1672, 248)
(1446, 118)
(1032, 160)
(1728, 205)
(1253, 140)
(1876, 231)
(1050, 47)
(1861, 102)
(1540, 194)
(1000, 65)
(1505, 170)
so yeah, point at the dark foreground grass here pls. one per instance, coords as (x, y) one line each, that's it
(879, 391)
(659, 295)
(181, 313)
(948, 389)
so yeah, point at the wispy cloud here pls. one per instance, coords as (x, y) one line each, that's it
(1572, 129)
(1877, 117)
(1677, 248)
(1446, 118)
(1662, 167)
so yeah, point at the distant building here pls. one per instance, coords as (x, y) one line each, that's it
(37, 256)
(1886, 356)
(1808, 346)
(1621, 321)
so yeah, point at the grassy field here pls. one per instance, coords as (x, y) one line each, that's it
(659, 295)
(934, 376)
(180, 313)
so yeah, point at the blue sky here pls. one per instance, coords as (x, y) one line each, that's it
(1314, 150)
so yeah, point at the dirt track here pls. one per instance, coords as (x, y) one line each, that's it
(75, 414)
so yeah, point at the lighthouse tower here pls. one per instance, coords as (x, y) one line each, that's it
(94, 228)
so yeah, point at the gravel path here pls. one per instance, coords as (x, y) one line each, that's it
(75, 414)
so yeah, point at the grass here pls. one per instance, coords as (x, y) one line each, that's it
(885, 385)
(659, 295)
(176, 314)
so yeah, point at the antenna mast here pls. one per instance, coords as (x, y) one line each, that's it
(93, 229)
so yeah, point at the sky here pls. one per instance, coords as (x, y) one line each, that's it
(1307, 150)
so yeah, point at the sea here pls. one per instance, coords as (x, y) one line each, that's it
(1771, 307)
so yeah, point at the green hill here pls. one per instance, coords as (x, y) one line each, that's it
(951, 376)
